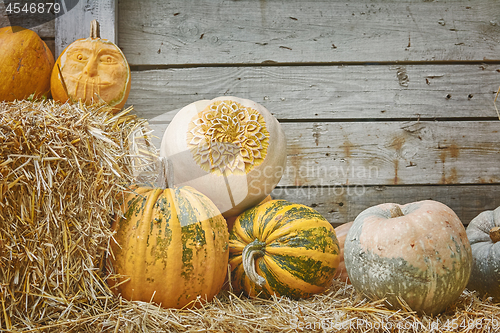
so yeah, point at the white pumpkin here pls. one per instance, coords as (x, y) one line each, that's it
(231, 149)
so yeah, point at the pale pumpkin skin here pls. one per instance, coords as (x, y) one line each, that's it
(233, 190)
(171, 243)
(485, 276)
(341, 232)
(93, 69)
(25, 64)
(423, 256)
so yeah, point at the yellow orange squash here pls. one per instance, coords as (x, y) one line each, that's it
(93, 69)
(170, 246)
(25, 64)
(282, 248)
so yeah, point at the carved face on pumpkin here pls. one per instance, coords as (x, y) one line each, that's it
(94, 68)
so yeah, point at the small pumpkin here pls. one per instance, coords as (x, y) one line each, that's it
(231, 149)
(484, 237)
(341, 232)
(418, 252)
(282, 248)
(25, 64)
(92, 69)
(170, 246)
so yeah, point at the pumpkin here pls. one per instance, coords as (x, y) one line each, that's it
(284, 249)
(230, 220)
(341, 233)
(25, 64)
(484, 236)
(231, 149)
(418, 253)
(170, 247)
(92, 69)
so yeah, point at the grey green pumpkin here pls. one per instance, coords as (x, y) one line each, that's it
(483, 233)
(418, 253)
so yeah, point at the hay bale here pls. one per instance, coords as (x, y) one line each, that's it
(61, 167)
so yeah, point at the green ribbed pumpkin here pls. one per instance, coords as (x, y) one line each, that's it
(282, 248)
(171, 247)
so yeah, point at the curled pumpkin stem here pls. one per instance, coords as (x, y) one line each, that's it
(255, 248)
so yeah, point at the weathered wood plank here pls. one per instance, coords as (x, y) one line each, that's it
(51, 44)
(342, 204)
(326, 92)
(389, 153)
(252, 32)
(75, 23)
(46, 30)
(381, 153)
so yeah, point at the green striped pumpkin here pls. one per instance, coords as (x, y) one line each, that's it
(171, 247)
(282, 248)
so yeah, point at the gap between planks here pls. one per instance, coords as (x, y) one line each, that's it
(269, 63)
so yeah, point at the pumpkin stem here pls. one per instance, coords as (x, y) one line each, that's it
(95, 30)
(253, 249)
(495, 234)
(396, 211)
(166, 175)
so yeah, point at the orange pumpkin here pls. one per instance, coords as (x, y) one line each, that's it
(171, 247)
(25, 64)
(93, 69)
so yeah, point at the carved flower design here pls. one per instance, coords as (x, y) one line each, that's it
(228, 137)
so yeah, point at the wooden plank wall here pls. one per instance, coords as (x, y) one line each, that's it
(380, 100)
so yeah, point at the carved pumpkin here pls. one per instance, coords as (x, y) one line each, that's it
(282, 248)
(25, 64)
(170, 246)
(418, 252)
(231, 149)
(484, 236)
(341, 232)
(93, 69)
